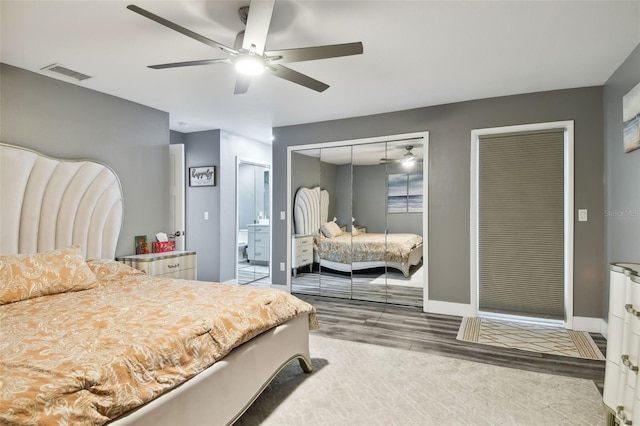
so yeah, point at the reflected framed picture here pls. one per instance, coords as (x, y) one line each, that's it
(202, 176)
(631, 119)
(404, 193)
(142, 244)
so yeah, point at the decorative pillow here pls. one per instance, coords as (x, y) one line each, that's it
(25, 276)
(109, 270)
(330, 229)
(354, 231)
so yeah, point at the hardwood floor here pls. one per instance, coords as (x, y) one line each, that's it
(410, 328)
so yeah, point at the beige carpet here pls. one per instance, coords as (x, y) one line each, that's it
(529, 337)
(360, 384)
(395, 277)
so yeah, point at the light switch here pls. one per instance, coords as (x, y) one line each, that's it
(582, 215)
(282, 266)
(283, 215)
(206, 215)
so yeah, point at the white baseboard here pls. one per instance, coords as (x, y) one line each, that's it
(591, 325)
(449, 308)
(604, 330)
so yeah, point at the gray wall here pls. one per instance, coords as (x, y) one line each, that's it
(203, 236)
(449, 129)
(69, 121)
(215, 239)
(370, 202)
(622, 172)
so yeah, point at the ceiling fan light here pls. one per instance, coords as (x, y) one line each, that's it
(250, 65)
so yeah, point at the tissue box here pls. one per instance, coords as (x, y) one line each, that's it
(162, 246)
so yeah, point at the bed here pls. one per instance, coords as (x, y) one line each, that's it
(352, 250)
(88, 340)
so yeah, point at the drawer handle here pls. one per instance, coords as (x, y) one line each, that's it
(173, 266)
(258, 241)
(622, 415)
(305, 250)
(627, 362)
(258, 254)
(629, 308)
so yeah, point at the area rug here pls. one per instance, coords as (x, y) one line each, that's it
(529, 337)
(362, 384)
(395, 277)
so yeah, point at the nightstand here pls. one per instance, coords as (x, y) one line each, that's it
(171, 264)
(301, 252)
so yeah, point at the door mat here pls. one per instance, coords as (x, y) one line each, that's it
(529, 337)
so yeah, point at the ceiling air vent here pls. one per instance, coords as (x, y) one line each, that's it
(59, 69)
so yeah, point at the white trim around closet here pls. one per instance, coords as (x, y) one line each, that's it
(424, 135)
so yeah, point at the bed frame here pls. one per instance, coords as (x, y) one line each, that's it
(50, 203)
(311, 210)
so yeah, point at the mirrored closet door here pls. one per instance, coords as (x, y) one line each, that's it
(363, 221)
(254, 234)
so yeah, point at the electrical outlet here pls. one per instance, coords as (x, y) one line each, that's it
(281, 266)
(283, 215)
(206, 215)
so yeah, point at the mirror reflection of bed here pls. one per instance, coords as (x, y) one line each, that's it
(361, 205)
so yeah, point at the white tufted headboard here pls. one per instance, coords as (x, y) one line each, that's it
(310, 210)
(48, 203)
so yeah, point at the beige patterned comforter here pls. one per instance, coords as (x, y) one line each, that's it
(85, 357)
(367, 247)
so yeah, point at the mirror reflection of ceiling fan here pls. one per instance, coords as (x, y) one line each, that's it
(248, 53)
(408, 157)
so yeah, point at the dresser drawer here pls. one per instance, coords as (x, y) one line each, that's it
(173, 264)
(301, 251)
(167, 265)
(184, 274)
(304, 260)
(258, 253)
(259, 240)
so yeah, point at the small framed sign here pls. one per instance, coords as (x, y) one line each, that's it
(202, 176)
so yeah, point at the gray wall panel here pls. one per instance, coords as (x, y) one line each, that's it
(69, 121)
(449, 180)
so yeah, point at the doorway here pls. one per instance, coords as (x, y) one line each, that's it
(253, 227)
(522, 222)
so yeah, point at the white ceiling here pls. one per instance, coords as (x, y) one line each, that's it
(416, 53)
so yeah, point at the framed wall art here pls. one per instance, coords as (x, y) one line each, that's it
(202, 176)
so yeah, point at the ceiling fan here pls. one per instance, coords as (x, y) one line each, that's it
(248, 53)
(408, 157)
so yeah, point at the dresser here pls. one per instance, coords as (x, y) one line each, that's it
(258, 246)
(171, 264)
(621, 394)
(301, 252)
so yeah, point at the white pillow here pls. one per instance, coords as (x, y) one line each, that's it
(354, 231)
(330, 229)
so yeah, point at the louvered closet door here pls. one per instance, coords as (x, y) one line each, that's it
(521, 224)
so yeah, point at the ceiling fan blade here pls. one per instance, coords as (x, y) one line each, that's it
(181, 30)
(298, 78)
(190, 63)
(258, 22)
(317, 52)
(242, 84)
